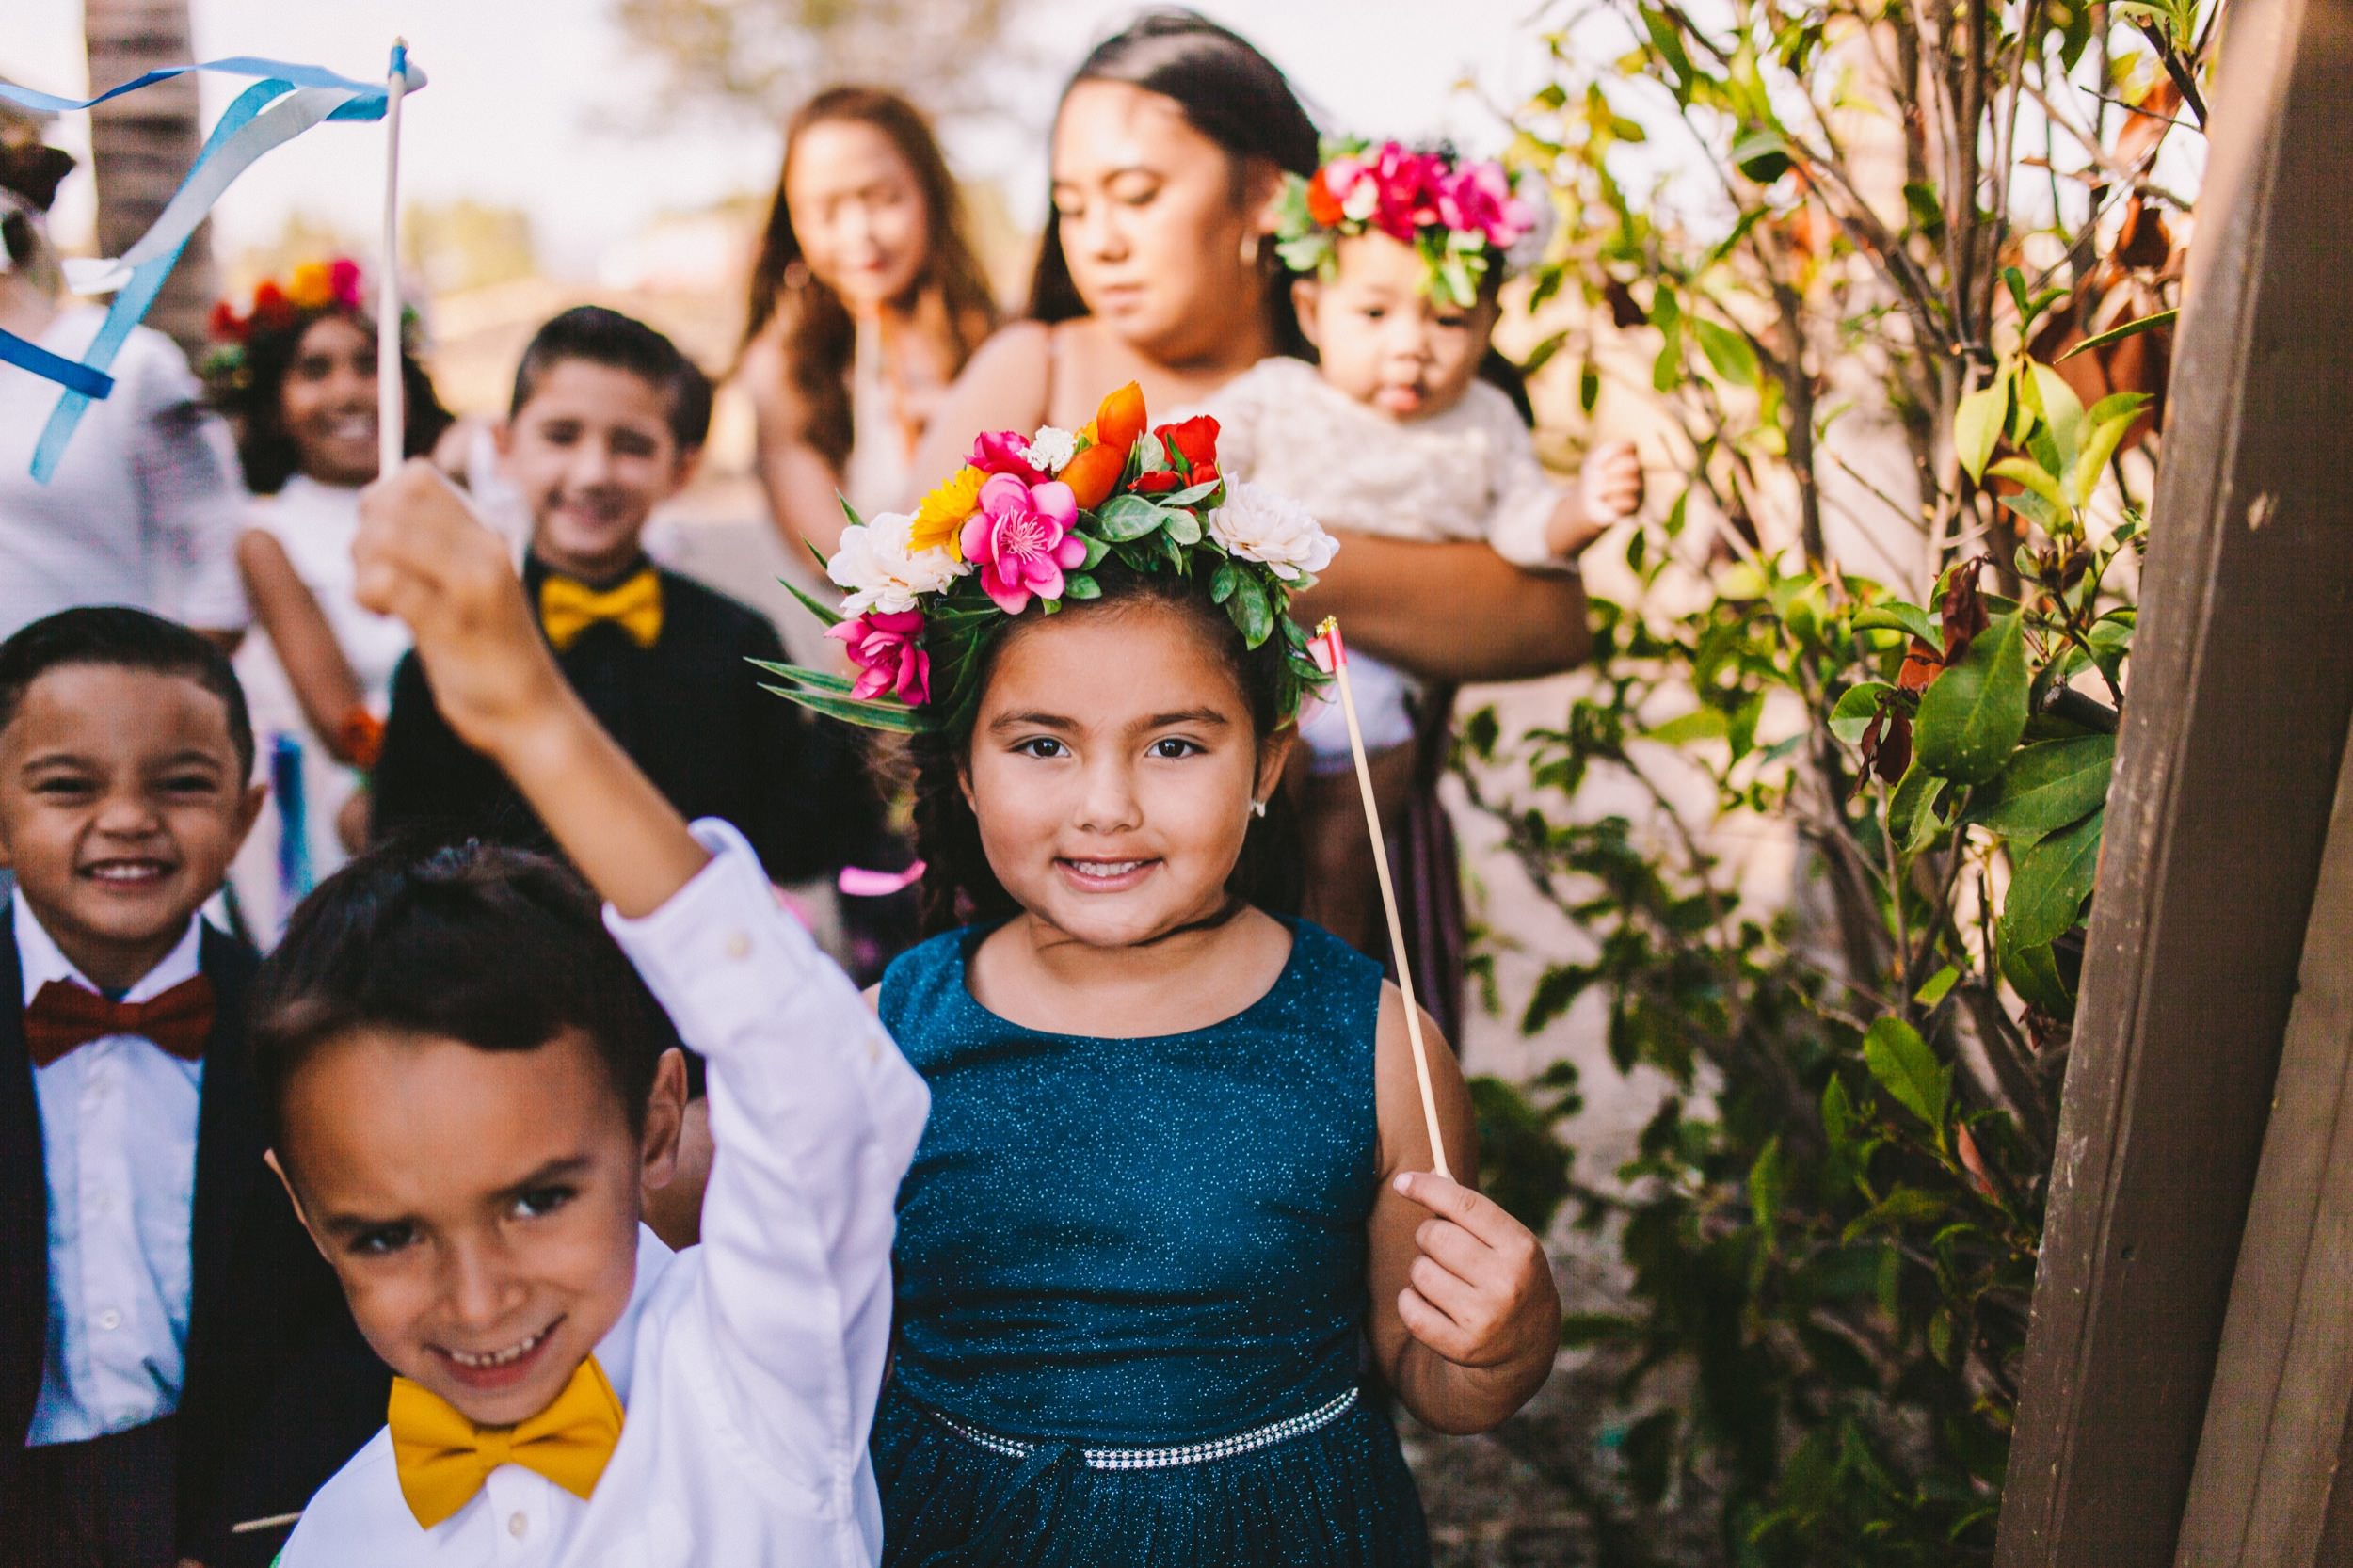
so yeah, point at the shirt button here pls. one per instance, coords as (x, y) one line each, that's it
(739, 946)
(517, 1525)
(110, 1319)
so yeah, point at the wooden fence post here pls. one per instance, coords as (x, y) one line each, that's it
(2241, 692)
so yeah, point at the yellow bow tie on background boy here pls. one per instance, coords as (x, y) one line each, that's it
(443, 1458)
(568, 608)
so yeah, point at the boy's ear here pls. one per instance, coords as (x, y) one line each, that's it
(682, 470)
(666, 1115)
(503, 438)
(1305, 292)
(249, 811)
(270, 1158)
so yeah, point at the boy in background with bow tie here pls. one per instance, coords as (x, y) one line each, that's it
(174, 1359)
(469, 1082)
(608, 420)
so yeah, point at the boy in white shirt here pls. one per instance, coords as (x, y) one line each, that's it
(470, 1092)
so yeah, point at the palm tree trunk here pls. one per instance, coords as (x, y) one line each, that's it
(141, 147)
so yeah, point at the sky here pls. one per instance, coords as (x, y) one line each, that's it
(539, 104)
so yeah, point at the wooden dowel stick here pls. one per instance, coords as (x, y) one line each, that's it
(1331, 630)
(391, 424)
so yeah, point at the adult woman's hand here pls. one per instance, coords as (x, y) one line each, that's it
(1454, 613)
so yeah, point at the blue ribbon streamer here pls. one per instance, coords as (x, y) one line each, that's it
(88, 380)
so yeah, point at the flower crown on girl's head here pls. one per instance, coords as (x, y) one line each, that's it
(311, 289)
(1464, 217)
(1038, 521)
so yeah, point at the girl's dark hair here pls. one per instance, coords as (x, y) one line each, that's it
(264, 451)
(958, 887)
(952, 301)
(32, 172)
(1231, 94)
(503, 949)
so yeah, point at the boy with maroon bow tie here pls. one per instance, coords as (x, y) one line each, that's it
(175, 1361)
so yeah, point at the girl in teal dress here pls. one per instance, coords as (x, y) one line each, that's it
(1175, 1193)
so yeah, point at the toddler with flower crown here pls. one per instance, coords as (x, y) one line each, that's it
(1400, 255)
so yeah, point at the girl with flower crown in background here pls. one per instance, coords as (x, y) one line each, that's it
(297, 375)
(1400, 256)
(1176, 1182)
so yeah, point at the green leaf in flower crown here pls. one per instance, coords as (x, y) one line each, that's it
(1149, 455)
(827, 616)
(1249, 608)
(1126, 517)
(1080, 585)
(1972, 715)
(848, 511)
(800, 675)
(1222, 585)
(1181, 525)
(1191, 495)
(896, 718)
(1096, 550)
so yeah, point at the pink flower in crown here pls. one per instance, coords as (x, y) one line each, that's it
(343, 282)
(888, 650)
(1003, 452)
(1020, 538)
(1477, 199)
(1408, 185)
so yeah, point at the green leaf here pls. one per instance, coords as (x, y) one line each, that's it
(891, 716)
(1907, 1069)
(1183, 525)
(2046, 786)
(2063, 411)
(848, 511)
(2032, 476)
(800, 675)
(1587, 387)
(1837, 1112)
(2107, 435)
(2130, 329)
(1223, 582)
(1096, 550)
(2048, 886)
(1893, 614)
(1730, 353)
(1191, 495)
(1936, 987)
(1856, 708)
(1700, 724)
(1080, 585)
(2033, 973)
(1249, 610)
(1905, 1206)
(1912, 810)
(827, 616)
(1972, 715)
(1977, 426)
(1124, 517)
(1769, 1184)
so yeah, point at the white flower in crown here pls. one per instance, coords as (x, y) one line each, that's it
(1258, 525)
(1049, 449)
(880, 570)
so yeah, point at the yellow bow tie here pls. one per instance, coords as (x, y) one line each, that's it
(568, 608)
(443, 1459)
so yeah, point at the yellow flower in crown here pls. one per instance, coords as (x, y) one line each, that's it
(940, 520)
(310, 286)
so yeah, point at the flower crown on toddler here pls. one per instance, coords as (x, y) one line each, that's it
(311, 289)
(1464, 217)
(1039, 522)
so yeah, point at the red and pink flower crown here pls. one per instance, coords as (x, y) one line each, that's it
(311, 289)
(1464, 217)
(1040, 521)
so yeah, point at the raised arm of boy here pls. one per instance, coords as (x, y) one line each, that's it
(815, 1112)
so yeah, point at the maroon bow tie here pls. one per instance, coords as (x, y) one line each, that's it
(64, 1016)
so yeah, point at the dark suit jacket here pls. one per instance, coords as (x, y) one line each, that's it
(279, 1389)
(689, 711)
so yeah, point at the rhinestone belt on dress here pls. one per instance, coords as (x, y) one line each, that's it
(1161, 1459)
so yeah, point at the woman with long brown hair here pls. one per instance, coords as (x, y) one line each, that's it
(866, 300)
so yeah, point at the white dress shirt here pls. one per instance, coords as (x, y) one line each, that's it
(117, 1141)
(145, 508)
(749, 1365)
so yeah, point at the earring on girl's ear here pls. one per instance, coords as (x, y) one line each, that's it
(1258, 807)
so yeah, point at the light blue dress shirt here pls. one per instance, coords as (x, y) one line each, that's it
(117, 1133)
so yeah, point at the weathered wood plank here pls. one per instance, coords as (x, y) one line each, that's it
(2229, 754)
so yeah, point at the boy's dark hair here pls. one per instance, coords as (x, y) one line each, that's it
(120, 637)
(608, 337)
(501, 948)
(958, 884)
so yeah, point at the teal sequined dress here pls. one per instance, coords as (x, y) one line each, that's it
(1131, 1287)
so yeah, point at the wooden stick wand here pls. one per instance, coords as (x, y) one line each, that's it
(391, 423)
(1331, 655)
